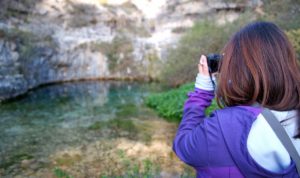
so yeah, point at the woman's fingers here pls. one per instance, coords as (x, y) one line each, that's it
(202, 66)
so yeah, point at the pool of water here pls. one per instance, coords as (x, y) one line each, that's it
(87, 129)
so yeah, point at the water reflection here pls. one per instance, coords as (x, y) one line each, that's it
(86, 129)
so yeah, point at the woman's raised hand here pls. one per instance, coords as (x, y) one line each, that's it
(202, 66)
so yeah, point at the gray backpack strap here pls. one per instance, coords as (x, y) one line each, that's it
(283, 136)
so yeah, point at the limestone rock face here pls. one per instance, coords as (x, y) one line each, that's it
(50, 41)
(12, 82)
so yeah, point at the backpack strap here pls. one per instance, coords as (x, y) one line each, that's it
(282, 136)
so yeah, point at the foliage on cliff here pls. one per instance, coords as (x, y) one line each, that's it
(203, 38)
(207, 37)
(283, 13)
(25, 41)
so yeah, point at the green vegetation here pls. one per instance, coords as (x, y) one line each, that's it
(154, 66)
(128, 168)
(294, 37)
(125, 111)
(25, 41)
(118, 52)
(286, 15)
(208, 37)
(59, 173)
(123, 127)
(170, 104)
(203, 38)
(115, 124)
(144, 168)
(68, 160)
(17, 158)
(283, 13)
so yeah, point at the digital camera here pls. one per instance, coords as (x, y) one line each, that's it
(213, 62)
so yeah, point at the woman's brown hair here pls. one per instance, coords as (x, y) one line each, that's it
(259, 65)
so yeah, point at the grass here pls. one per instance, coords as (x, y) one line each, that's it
(59, 173)
(123, 128)
(125, 111)
(115, 124)
(145, 168)
(170, 104)
(68, 160)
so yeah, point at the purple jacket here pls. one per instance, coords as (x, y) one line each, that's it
(216, 146)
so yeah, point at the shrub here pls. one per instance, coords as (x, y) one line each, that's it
(170, 104)
(283, 13)
(203, 38)
(294, 37)
(207, 37)
(59, 173)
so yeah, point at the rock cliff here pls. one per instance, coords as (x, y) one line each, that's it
(49, 41)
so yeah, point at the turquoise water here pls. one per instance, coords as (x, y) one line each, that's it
(100, 125)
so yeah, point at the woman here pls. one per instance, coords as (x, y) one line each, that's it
(258, 66)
